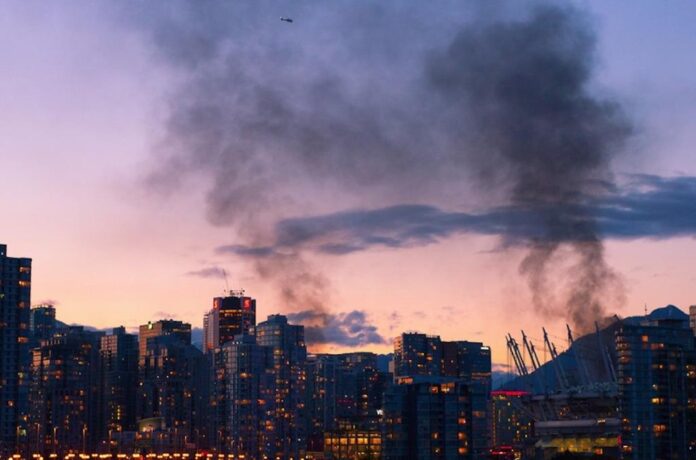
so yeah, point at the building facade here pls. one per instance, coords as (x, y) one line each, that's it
(118, 354)
(65, 393)
(427, 418)
(286, 411)
(15, 299)
(173, 391)
(230, 316)
(657, 384)
(166, 327)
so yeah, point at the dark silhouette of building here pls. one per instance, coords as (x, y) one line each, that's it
(42, 323)
(417, 354)
(657, 384)
(420, 355)
(65, 392)
(15, 298)
(286, 411)
(511, 427)
(173, 392)
(344, 390)
(248, 375)
(165, 327)
(230, 316)
(427, 418)
(119, 384)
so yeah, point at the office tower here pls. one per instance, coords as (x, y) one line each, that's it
(42, 323)
(692, 318)
(180, 330)
(64, 395)
(15, 298)
(119, 383)
(429, 418)
(248, 372)
(230, 316)
(657, 381)
(286, 424)
(173, 391)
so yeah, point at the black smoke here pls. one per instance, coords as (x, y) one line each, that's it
(391, 103)
(539, 125)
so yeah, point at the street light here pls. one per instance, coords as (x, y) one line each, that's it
(84, 438)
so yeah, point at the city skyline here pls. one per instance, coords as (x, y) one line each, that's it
(91, 226)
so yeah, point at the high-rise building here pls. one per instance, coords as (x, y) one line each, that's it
(427, 418)
(657, 384)
(173, 390)
(42, 323)
(230, 316)
(420, 355)
(286, 412)
(15, 299)
(343, 390)
(179, 330)
(65, 392)
(119, 383)
(692, 318)
(247, 368)
(417, 354)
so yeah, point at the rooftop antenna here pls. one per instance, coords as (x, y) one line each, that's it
(227, 285)
(646, 309)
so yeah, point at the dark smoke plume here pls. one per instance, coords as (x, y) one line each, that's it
(392, 102)
(554, 141)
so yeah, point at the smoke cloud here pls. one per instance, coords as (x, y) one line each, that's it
(391, 103)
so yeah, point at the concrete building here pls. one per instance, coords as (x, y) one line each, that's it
(15, 299)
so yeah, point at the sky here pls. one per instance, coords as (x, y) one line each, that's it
(148, 146)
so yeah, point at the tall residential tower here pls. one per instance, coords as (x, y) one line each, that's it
(15, 298)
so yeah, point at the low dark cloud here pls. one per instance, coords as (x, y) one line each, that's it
(208, 272)
(350, 329)
(647, 207)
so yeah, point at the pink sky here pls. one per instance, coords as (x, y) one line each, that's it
(82, 102)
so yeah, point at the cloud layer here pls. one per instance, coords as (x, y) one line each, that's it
(649, 207)
(350, 329)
